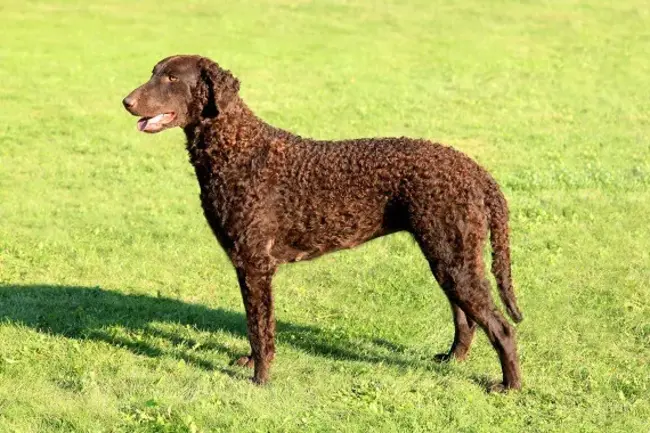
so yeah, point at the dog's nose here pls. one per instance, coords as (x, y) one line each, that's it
(128, 102)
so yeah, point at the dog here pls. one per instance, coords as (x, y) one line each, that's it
(273, 197)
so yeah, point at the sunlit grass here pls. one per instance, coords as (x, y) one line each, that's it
(119, 312)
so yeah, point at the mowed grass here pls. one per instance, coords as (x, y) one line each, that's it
(120, 313)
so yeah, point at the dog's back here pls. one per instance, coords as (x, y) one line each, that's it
(331, 195)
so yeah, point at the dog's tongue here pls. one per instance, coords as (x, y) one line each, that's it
(145, 121)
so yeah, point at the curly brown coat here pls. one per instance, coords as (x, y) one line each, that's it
(273, 197)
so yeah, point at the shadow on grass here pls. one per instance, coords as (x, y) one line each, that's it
(91, 313)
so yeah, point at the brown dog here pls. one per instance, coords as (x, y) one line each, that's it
(272, 197)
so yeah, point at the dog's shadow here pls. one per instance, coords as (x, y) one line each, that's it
(91, 313)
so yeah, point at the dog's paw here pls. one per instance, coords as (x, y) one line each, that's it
(501, 388)
(245, 361)
(260, 381)
(442, 357)
(496, 388)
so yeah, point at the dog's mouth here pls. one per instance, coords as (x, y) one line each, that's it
(155, 123)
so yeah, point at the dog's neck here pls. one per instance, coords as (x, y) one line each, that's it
(231, 138)
(233, 129)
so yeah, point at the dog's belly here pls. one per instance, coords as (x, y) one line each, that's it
(317, 236)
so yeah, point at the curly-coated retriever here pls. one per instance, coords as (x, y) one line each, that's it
(272, 197)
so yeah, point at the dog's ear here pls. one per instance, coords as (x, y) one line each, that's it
(222, 87)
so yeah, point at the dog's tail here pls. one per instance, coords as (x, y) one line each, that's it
(498, 223)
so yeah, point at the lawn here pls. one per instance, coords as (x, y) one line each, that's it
(119, 312)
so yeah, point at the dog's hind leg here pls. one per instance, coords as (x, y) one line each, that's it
(455, 253)
(469, 294)
(464, 329)
(472, 295)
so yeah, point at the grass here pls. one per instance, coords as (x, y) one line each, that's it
(119, 312)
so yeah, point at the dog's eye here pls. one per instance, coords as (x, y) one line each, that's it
(172, 78)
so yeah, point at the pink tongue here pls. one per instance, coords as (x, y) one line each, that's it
(142, 123)
(146, 121)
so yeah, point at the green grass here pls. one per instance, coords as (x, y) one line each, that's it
(119, 312)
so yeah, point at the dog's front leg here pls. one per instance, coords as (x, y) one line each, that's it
(258, 300)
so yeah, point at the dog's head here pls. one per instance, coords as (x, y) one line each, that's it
(182, 91)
